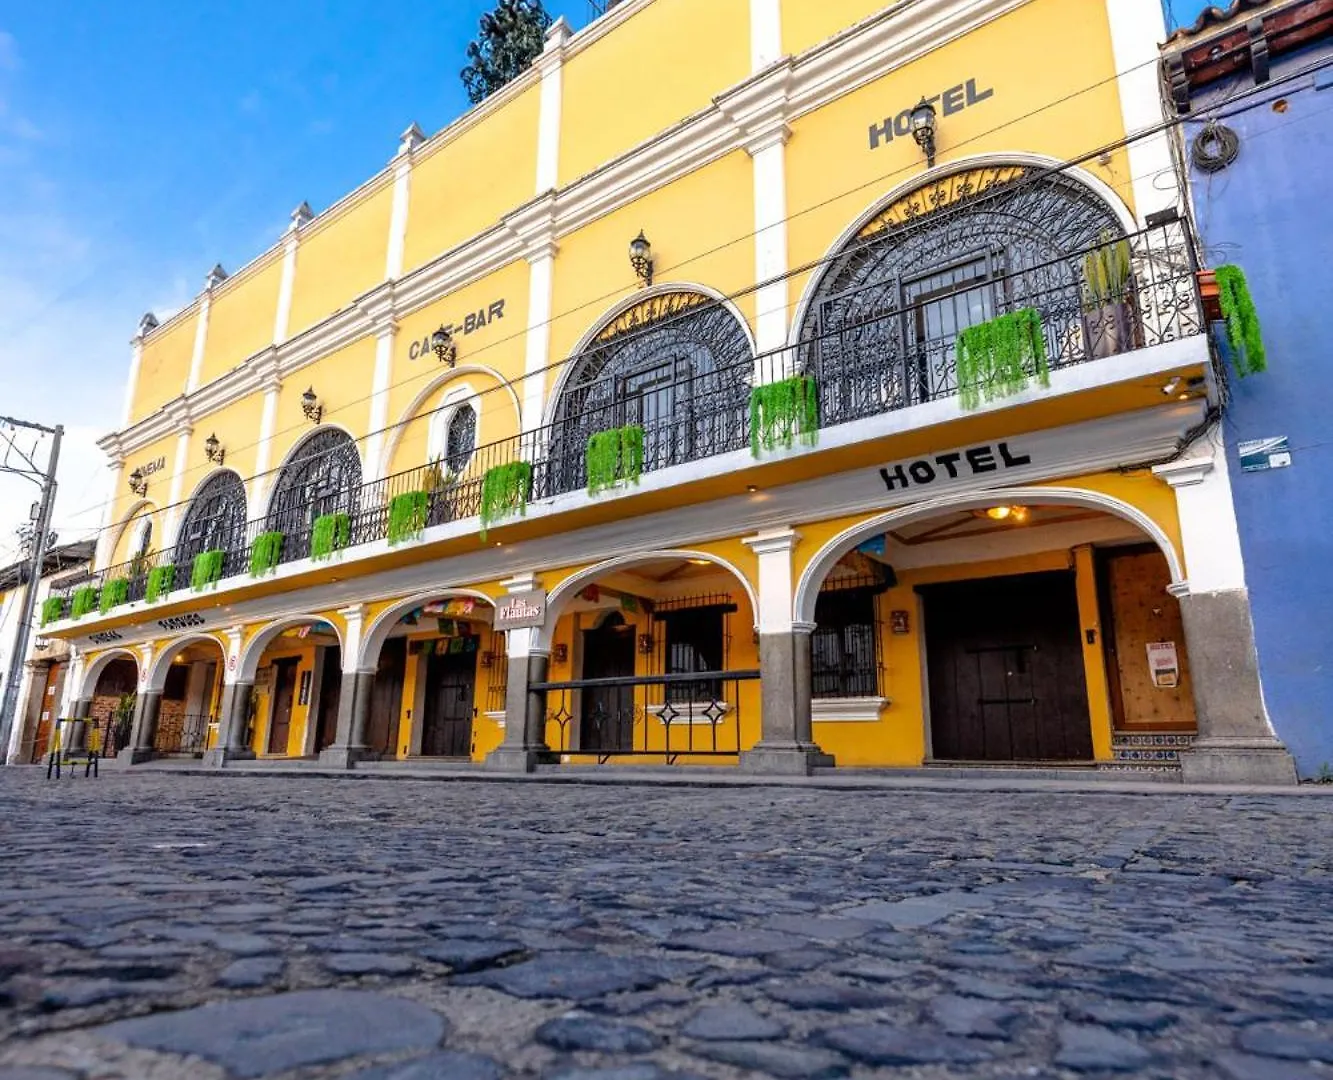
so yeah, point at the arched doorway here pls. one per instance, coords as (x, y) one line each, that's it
(1014, 627)
(879, 330)
(321, 476)
(114, 694)
(677, 365)
(215, 521)
(295, 667)
(189, 675)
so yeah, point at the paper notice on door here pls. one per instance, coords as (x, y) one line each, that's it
(1163, 664)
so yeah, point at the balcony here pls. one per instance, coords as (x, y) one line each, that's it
(884, 356)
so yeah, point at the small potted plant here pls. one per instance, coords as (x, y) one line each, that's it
(1108, 320)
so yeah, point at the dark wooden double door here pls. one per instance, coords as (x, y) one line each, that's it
(1005, 663)
(451, 682)
(606, 715)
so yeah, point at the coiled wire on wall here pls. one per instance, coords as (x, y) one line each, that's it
(1215, 147)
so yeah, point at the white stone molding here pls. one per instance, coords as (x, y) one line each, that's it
(146, 326)
(353, 617)
(145, 664)
(200, 341)
(380, 384)
(268, 424)
(549, 68)
(854, 710)
(774, 549)
(157, 672)
(263, 507)
(85, 684)
(402, 197)
(253, 651)
(377, 632)
(179, 468)
(301, 217)
(765, 33)
(1208, 529)
(535, 230)
(107, 536)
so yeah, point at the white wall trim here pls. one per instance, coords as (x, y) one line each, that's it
(1208, 529)
(157, 674)
(380, 385)
(93, 669)
(180, 466)
(852, 710)
(132, 382)
(377, 633)
(550, 70)
(200, 341)
(765, 33)
(253, 651)
(287, 285)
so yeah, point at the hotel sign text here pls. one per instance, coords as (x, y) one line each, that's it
(954, 465)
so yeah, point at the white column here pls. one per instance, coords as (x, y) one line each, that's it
(70, 692)
(1137, 28)
(146, 326)
(355, 617)
(106, 538)
(537, 350)
(232, 666)
(385, 336)
(201, 330)
(548, 122)
(765, 33)
(301, 216)
(770, 250)
(774, 549)
(175, 510)
(402, 193)
(1208, 530)
(268, 422)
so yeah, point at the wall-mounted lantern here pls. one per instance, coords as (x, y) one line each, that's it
(442, 342)
(560, 654)
(139, 483)
(641, 258)
(645, 643)
(310, 405)
(923, 129)
(214, 450)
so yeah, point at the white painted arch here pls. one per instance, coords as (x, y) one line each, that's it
(93, 672)
(143, 508)
(999, 159)
(184, 511)
(271, 479)
(619, 308)
(807, 589)
(395, 435)
(253, 651)
(378, 632)
(157, 673)
(563, 593)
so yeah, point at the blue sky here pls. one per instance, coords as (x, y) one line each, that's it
(141, 143)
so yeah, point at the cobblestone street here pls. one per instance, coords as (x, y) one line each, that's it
(161, 927)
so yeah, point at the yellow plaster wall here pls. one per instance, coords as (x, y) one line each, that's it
(277, 650)
(164, 367)
(339, 260)
(159, 484)
(240, 319)
(122, 553)
(664, 63)
(237, 429)
(342, 383)
(806, 24)
(1028, 111)
(700, 228)
(463, 186)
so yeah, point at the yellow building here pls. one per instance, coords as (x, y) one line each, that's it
(751, 381)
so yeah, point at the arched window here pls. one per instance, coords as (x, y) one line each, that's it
(323, 476)
(880, 330)
(215, 520)
(678, 365)
(460, 438)
(142, 541)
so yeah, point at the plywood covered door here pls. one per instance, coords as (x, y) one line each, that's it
(1005, 668)
(1141, 612)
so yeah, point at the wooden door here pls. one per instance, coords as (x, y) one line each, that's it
(607, 714)
(451, 679)
(284, 697)
(330, 697)
(1005, 670)
(386, 699)
(1137, 611)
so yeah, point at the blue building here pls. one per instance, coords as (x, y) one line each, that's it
(1253, 86)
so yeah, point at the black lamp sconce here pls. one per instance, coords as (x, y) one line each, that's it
(138, 483)
(442, 342)
(641, 258)
(311, 406)
(923, 129)
(214, 450)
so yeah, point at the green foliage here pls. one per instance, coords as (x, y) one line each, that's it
(53, 609)
(437, 477)
(407, 516)
(512, 37)
(83, 601)
(504, 490)
(781, 412)
(996, 358)
(1106, 273)
(265, 553)
(1243, 331)
(114, 593)
(207, 569)
(161, 580)
(332, 532)
(613, 456)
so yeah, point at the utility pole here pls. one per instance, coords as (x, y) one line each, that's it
(47, 480)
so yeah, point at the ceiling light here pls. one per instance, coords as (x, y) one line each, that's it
(751, 488)
(1172, 385)
(999, 513)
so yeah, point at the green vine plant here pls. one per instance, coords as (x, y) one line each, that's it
(614, 456)
(1106, 273)
(83, 601)
(783, 412)
(1243, 330)
(332, 533)
(265, 553)
(996, 358)
(161, 580)
(206, 571)
(53, 609)
(407, 516)
(504, 491)
(114, 593)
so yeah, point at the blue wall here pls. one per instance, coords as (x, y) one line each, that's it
(1271, 213)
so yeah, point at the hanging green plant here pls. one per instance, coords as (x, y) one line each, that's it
(782, 412)
(332, 532)
(504, 491)
(161, 580)
(613, 456)
(83, 601)
(1243, 331)
(207, 569)
(407, 516)
(53, 609)
(265, 553)
(114, 593)
(996, 358)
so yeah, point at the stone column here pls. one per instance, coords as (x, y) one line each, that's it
(231, 744)
(145, 726)
(786, 742)
(524, 745)
(1236, 743)
(349, 744)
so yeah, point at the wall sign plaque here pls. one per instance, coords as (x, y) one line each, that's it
(521, 610)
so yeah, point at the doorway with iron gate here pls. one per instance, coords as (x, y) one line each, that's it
(1005, 670)
(448, 706)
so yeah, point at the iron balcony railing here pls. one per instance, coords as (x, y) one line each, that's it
(872, 351)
